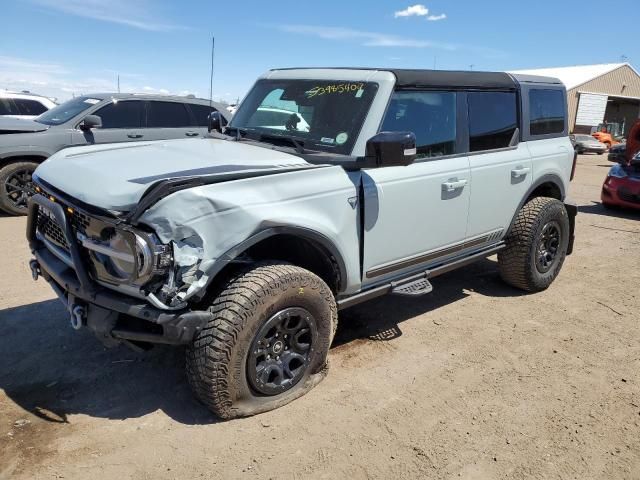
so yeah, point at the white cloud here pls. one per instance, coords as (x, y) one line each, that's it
(56, 80)
(368, 39)
(376, 39)
(435, 18)
(413, 11)
(123, 12)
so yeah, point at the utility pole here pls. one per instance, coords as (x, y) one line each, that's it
(118, 83)
(471, 67)
(213, 47)
(435, 59)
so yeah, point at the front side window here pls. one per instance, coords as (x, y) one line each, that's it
(120, 114)
(431, 116)
(67, 110)
(322, 114)
(167, 115)
(493, 119)
(29, 107)
(201, 113)
(546, 109)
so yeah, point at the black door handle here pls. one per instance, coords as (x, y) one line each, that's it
(192, 134)
(134, 135)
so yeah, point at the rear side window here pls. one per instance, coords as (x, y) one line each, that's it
(167, 115)
(430, 115)
(29, 107)
(121, 114)
(493, 119)
(7, 107)
(201, 114)
(546, 109)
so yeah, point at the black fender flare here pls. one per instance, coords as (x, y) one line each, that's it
(306, 233)
(572, 209)
(547, 178)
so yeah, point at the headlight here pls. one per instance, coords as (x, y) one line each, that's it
(618, 171)
(123, 256)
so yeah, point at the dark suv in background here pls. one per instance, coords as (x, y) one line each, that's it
(92, 119)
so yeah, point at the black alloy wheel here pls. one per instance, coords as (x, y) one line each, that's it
(281, 350)
(548, 245)
(18, 187)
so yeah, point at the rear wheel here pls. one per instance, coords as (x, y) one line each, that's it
(536, 246)
(16, 186)
(267, 343)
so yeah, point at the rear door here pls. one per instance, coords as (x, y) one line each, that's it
(167, 120)
(500, 164)
(417, 215)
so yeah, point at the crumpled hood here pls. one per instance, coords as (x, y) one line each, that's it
(115, 176)
(20, 125)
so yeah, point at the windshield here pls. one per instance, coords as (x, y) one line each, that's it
(66, 111)
(323, 114)
(584, 138)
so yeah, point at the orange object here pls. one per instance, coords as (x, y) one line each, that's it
(605, 137)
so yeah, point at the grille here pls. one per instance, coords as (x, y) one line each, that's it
(51, 230)
(627, 196)
(79, 221)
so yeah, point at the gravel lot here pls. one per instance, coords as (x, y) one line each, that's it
(475, 380)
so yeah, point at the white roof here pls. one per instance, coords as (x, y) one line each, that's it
(574, 76)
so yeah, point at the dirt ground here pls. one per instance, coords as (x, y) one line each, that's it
(473, 381)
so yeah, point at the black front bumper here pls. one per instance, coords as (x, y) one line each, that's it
(111, 315)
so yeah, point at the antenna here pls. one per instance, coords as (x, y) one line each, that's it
(213, 47)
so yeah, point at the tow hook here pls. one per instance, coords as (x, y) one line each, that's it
(78, 314)
(35, 269)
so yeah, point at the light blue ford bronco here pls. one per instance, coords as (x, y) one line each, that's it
(328, 187)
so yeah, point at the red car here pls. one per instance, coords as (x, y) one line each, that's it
(622, 185)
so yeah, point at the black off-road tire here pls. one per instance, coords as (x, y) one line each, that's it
(7, 204)
(217, 361)
(518, 261)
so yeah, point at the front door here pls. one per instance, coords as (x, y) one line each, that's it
(417, 215)
(121, 122)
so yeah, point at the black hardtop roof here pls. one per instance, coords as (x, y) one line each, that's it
(463, 79)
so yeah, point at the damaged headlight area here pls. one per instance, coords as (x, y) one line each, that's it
(127, 257)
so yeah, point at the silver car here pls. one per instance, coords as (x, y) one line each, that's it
(88, 120)
(586, 143)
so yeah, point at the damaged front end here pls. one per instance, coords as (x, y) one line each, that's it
(119, 280)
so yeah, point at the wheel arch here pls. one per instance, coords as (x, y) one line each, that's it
(13, 158)
(549, 185)
(287, 243)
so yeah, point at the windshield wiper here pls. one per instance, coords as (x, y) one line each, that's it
(240, 132)
(298, 145)
(252, 134)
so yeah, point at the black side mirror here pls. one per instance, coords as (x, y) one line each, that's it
(392, 149)
(216, 122)
(89, 122)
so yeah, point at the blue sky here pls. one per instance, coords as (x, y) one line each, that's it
(65, 47)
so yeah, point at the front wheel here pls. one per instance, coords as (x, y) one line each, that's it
(536, 246)
(267, 343)
(16, 186)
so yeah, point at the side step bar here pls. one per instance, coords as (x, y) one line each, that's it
(417, 284)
